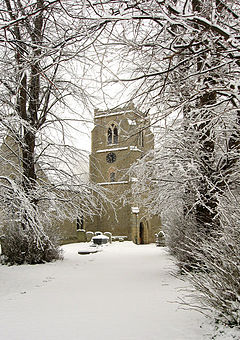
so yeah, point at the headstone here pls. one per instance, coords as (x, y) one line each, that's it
(160, 239)
(109, 235)
(100, 239)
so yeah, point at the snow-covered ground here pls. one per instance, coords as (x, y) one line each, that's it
(125, 292)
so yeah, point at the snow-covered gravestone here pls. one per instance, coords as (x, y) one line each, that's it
(160, 239)
(100, 239)
(109, 235)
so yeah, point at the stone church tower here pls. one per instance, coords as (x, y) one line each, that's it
(119, 138)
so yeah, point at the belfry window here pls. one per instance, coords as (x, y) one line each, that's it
(112, 134)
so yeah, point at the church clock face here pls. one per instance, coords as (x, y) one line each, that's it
(111, 157)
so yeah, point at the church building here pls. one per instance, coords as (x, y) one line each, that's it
(119, 138)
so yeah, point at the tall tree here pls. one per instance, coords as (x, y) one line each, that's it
(39, 41)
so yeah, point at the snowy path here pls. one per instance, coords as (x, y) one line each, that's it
(125, 292)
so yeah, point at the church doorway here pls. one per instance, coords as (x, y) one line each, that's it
(141, 233)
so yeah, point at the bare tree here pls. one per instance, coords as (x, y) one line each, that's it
(39, 42)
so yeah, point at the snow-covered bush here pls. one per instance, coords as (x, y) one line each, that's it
(217, 279)
(21, 246)
(181, 233)
(208, 252)
(27, 230)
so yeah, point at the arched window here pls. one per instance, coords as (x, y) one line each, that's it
(112, 134)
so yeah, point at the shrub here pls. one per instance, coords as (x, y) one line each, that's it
(218, 280)
(25, 246)
(211, 262)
